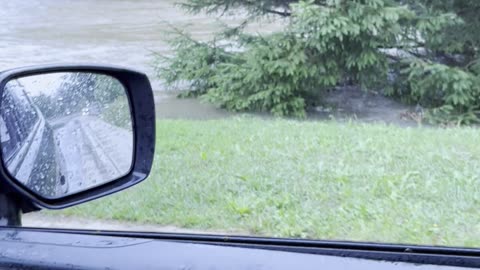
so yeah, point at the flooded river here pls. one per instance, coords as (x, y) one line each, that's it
(119, 32)
(126, 32)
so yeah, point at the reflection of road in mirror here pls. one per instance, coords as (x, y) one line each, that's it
(90, 151)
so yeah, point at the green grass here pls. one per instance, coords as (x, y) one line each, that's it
(327, 180)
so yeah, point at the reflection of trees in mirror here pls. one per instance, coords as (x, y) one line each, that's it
(97, 94)
(82, 93)
(45, 104)
(107, 89)
(117, 113)
(73, 92)
(76, 92)
(116, 110)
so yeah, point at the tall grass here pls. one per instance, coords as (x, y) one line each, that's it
(326, 180)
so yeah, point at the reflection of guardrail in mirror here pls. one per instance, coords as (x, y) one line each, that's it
(25, 129)
(23, 160)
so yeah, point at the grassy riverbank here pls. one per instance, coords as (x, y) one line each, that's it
(326, 180)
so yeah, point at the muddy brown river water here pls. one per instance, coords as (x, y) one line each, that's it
(118, 32)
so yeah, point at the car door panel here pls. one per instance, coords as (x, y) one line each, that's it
(24, 249)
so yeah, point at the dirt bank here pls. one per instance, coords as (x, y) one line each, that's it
(349, 102)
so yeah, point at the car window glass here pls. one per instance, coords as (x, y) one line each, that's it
(349, 120)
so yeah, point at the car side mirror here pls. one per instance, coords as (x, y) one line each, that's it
(70, 133)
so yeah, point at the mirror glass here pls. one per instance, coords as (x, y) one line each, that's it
(63, 133)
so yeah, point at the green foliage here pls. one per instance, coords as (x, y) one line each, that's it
(195, 63)
(445, 78)
(343, 38)
(246, 83)
(329, 42)
(461, 37)
(454, 93)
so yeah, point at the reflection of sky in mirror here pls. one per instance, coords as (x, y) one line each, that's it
(47, 84)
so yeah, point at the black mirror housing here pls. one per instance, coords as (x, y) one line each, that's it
(142, 108)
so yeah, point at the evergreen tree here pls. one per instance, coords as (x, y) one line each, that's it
(425, 52)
